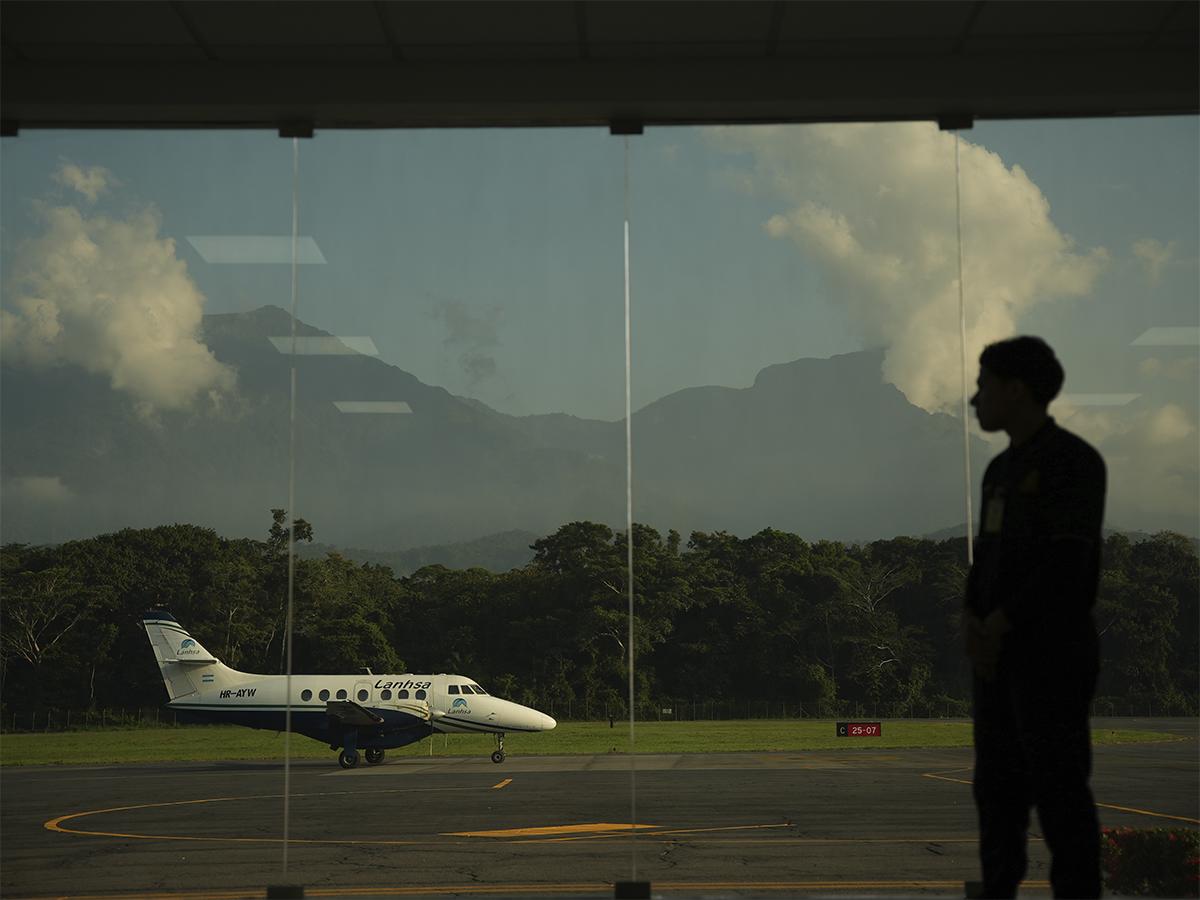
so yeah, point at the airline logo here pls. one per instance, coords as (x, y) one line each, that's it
(460, 706)
(188, 647)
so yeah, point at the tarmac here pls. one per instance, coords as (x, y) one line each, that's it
(857, 822)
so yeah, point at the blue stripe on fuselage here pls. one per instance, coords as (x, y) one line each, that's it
(397, 730)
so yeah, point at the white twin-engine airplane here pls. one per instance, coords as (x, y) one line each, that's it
(348, 712)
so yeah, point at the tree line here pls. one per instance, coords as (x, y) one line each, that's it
(720, 617)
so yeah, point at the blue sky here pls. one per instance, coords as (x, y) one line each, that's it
(490, 262)
(522, 229)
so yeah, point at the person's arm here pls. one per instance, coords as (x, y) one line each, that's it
(1063, 569)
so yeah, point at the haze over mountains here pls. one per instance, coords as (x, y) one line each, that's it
(819, 447)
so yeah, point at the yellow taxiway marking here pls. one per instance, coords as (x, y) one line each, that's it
(657, 834)
(592, 828)
(1129, 809)
(505, 783)
(1146, 812)
(55, 824)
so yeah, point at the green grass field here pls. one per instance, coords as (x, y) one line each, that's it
(230, 742)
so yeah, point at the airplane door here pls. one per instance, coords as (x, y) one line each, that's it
(364, 693)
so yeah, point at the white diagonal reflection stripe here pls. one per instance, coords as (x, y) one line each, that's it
(392, 407)
(1169, 336)
(255, 249)
(326, 345)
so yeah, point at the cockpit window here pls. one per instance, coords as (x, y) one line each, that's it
(466, 689)
(479, 690)
(453, 689)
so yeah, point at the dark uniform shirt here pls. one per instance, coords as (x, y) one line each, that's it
(1038, 552)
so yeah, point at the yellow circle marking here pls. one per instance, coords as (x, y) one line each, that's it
(550, 830)
(55, 824)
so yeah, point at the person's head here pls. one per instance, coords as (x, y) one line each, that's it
(1017, 380)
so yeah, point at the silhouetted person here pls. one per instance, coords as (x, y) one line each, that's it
(1029, 629)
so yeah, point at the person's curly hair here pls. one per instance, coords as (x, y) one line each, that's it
(1027, 359)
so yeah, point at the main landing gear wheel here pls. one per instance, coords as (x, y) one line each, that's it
(498, 756)
(374, 757)
(348, 759)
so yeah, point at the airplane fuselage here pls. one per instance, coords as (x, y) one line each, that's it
(259, 701)
(348, 712)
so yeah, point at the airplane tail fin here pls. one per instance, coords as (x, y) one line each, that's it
(185, 665)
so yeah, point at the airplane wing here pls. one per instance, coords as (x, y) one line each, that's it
(347, 712)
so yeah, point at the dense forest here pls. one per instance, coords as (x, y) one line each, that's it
(768, 617)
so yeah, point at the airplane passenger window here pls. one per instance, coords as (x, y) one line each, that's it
(385, 694)
(453, 689)
(341, 695)
(362, 695)
(324, 695)
(402, 695)
(420, 695)
(306, 695)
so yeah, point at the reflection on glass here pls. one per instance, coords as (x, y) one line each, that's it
(460, 478)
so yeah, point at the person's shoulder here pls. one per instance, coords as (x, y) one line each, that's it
(997, 462)
(1073, 450)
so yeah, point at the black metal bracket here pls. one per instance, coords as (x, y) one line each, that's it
(296, 129)
(956, 122)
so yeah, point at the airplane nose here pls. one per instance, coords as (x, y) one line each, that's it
(547, 723)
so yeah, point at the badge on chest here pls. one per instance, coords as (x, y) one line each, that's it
(993, 513)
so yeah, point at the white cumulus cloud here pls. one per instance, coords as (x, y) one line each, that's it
(110, 295)
(873, 205)
(1184, 369)
(1155, 255)
(1153, 457)
(91, 182)
(41, 489)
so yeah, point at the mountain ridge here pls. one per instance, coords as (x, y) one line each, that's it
(824, 448)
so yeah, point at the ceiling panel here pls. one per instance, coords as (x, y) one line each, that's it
(848, 22)
(92, 23)
(1021, 17)
(316, 22)
(714, 22)
(413, 63)
(506, 52)
(113, 53)
(460, 23)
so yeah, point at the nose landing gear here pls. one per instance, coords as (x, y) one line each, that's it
(498, 756)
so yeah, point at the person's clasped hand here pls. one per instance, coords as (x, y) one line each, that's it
(983, 639)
